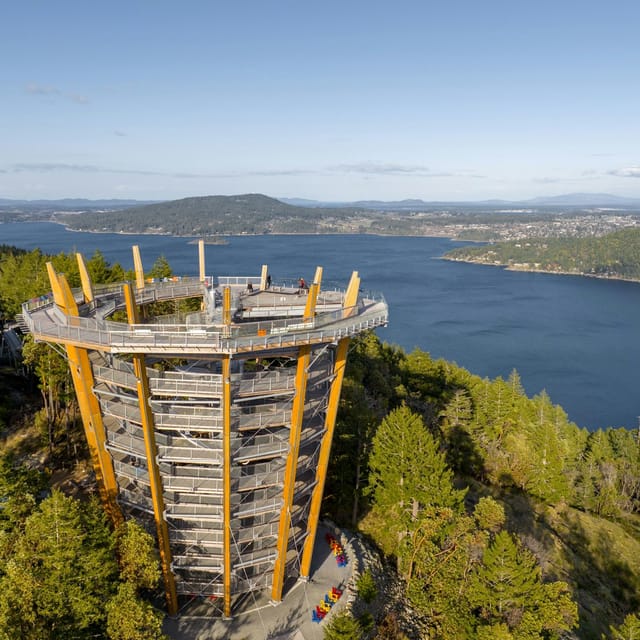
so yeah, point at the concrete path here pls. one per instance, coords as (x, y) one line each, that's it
(255, 618)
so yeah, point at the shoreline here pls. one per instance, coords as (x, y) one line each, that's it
(508, 267)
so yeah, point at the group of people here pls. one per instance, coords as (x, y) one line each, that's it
(302, 284)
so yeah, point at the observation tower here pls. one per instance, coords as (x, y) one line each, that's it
(212, 426)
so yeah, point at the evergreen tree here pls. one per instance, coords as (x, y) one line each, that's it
(58, 574)
(131, 618)
(137, 558)
(408, 472)
(628, 630)
(343, 626)
(507, 589)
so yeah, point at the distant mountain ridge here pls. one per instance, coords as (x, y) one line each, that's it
(413, 204)
(568, 199)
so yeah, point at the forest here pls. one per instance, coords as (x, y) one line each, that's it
(494, 515)
(615, 255)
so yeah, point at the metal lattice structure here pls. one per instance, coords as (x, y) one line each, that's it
(216, 424)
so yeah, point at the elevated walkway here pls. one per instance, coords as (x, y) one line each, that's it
(287, 329)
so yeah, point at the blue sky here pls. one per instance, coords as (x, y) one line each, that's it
(327, 100)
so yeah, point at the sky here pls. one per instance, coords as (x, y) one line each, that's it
(332, 101)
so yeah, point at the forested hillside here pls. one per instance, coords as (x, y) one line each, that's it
(615, 255)
(212, 215)
(498, 517)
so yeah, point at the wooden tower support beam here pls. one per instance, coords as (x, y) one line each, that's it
(351, 295)
(83, 382)
(151, 452)
(263, 277)
(137, 265)
(295, 429)
(201, 261)
(226, 483)
(323, 458)
(85, 278)
(340, 363)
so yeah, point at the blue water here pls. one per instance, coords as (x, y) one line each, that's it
(577, 338)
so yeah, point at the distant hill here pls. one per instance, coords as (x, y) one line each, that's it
(216, 215)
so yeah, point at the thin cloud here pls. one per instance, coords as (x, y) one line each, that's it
(381, 169)
(547, 180)
(389, 169)
(120, 134)
(41, 90)
(48, 167)
(627, 172)
(35, 89)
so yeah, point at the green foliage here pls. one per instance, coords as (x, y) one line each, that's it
(23, 276)
(489, 515)
(408, 472)
(369, 390)
(367, 589)
(628, 630)
(343, 626)
(131, 618)
(20, 489)
(57, 572)
(161, 269)
(508, 590)
(137, 558)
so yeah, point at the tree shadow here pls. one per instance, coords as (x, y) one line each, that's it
(605, 586)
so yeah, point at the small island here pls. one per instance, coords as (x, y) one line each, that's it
(219, 240)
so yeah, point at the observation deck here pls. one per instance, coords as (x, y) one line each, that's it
(209, 406)
(262, 320)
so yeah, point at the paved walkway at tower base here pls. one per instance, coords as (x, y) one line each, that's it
(255, 618)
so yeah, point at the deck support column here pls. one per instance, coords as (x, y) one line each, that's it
(340, 363)
(297, 413)
(151, 452)
(226, 483)
(82, 376)
(339, 366)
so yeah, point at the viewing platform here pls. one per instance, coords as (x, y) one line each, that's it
(209, 406)
(261, 320)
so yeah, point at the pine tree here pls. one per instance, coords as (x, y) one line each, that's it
(60, 573)
(343, 626)
(507, 589)
(408, 472)
(628, 630)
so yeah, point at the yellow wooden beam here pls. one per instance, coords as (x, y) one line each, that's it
(201, 260)
(226, 483)
(339, 366)
(85, 278)
(295, 430)
(312, 299)
(317, 278)
(351, 296)
(263, 277)
(137, 265)
(83, 382)
(226, 306)
(151, 452)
